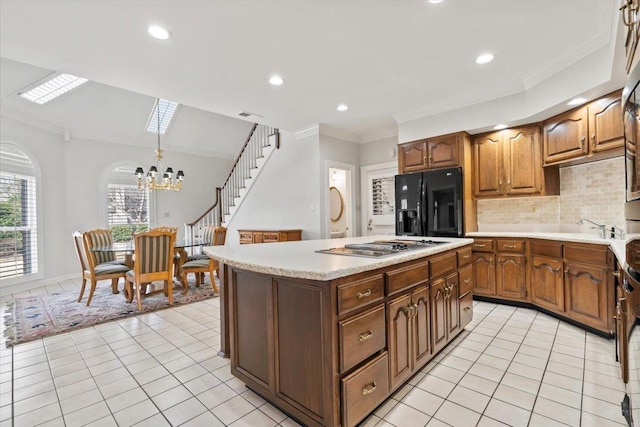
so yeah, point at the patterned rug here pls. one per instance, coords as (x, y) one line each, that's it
(30, 318)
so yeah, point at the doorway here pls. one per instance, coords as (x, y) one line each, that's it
(340, 201)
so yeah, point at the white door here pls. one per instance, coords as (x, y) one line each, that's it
(378, 198)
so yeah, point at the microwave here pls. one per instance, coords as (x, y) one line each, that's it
(631, 117)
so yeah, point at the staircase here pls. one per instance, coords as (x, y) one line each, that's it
(258, 147)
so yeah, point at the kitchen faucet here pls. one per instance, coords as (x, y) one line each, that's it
(602, 229)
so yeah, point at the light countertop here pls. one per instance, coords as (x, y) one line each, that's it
(616, 245)
(299, 259)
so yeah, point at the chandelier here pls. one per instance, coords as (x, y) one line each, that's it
(153, 180)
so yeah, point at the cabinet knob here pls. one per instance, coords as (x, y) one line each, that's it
(369, 389)
(366, 336)
(466, 281)
(364, 294)
(466, 309)
(465, 256)
(583, 139)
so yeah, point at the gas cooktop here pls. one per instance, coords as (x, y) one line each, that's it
(380, 248)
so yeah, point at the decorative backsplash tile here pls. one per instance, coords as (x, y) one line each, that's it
(593, 190)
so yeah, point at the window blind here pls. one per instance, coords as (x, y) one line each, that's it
(18, 223)
(128, 210)
(383, 195)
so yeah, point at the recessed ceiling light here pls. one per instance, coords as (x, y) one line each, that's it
(276, 80)
(159, 32)
(577, 101)
(500, 126)
(343, 107)
(484, 58)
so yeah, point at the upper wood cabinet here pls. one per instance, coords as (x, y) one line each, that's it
(431, 153)
(584, 131)
(509, 162)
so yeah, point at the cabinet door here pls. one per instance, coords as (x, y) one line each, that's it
(510, 276)
(547, 288)
(487, 160)
(422, 326)
(399, 339)
(442, 151)
(522, 160)
(586, 295)
(439, 314)
(412, 156)
(484, 282)
(565, 136)
(453, 305)
(606, 130)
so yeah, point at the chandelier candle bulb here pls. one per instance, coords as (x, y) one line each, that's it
(152, 183)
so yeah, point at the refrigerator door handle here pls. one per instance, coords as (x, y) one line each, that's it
(424, 220)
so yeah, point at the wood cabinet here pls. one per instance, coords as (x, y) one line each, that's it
(269, 236)
(573, 280)
(329, 352)
(432, 153)
(509, 163)
(584, 131)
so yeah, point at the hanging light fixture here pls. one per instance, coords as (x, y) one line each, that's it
(152, 180)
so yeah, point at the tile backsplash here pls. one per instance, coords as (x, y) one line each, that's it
(593, 190)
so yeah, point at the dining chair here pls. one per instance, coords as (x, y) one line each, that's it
(153, 252)
(94, 272)
(215, 236)
(102, 238)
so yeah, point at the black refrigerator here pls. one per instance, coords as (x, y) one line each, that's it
(429, 203)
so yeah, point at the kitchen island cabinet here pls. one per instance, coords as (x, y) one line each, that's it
(327, 338)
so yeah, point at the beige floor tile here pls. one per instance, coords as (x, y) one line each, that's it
(557, 411)
(456, 415)
(406, 416)
(232, 410)
(422, 401)
(515, 397)
(469, 398)
(506, 413)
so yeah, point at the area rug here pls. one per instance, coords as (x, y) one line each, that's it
(30, 318)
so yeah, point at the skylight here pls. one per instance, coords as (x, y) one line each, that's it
(52, 88)
(167, 108)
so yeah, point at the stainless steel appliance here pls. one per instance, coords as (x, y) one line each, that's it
(380, 248)
(429, 203)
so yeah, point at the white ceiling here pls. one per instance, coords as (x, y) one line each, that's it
(389, 60)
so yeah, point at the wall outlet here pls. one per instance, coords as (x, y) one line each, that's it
(534, 208)
(313, 208)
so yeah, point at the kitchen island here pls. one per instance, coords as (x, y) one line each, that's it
(326, 337)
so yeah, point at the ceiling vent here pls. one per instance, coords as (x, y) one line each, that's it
(248, 114)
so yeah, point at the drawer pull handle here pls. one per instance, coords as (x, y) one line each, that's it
(365, 294)
(465, 256)
(466, 281)
(369, 389)
(479, 245)
(510, 246)
(467, 308)
(364, 337)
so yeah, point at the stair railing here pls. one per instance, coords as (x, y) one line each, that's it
(259, 137)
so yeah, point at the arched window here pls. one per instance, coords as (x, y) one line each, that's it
(18, 213)
(127, 207)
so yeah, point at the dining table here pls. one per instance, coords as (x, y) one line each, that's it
(181, 249)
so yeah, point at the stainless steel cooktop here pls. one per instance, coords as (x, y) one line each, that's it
(380, 248)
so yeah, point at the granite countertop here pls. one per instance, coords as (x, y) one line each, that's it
(299, 259)
(616, 245)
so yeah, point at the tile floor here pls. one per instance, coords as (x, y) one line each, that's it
(511, 366)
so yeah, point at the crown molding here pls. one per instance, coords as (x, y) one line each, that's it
(307, 132)
(377, 136)
(338, 134)
(29, 120)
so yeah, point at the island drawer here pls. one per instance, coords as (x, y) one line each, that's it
(510, 245)
(466, 309)
(407, 277)
(546, 248)
(246, 237)
(466, 280)
(482, 245)
(270, 237)
(443, 264)
(354, 295)
(364, 389)
(586, 253)
(464, 256)
(361, 336)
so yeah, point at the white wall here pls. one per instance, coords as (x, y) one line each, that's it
(73, 188)
(380, 151)
(285, 195)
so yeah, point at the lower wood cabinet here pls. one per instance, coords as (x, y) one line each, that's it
(269, 236)
(547, 286)
(573, 280)
(329, 352)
